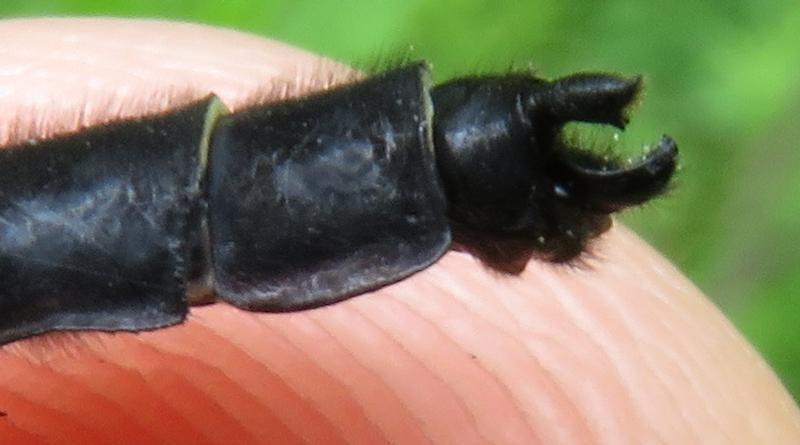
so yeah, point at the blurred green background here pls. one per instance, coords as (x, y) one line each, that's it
(724, 81)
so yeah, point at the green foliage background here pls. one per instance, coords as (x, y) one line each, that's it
(724, 80)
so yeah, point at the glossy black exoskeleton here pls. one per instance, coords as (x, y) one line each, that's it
(306, 202)
(514, 182)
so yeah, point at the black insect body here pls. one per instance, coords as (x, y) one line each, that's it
(303, 203)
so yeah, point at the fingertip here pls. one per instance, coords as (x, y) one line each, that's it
(625, 349)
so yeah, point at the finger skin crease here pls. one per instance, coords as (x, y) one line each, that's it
(498, 337)
(239, 394)
(414, 345)
(348, 388)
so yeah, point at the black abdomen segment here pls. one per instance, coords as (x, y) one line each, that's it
(303, 203)
(96, 228)
(334, 195)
